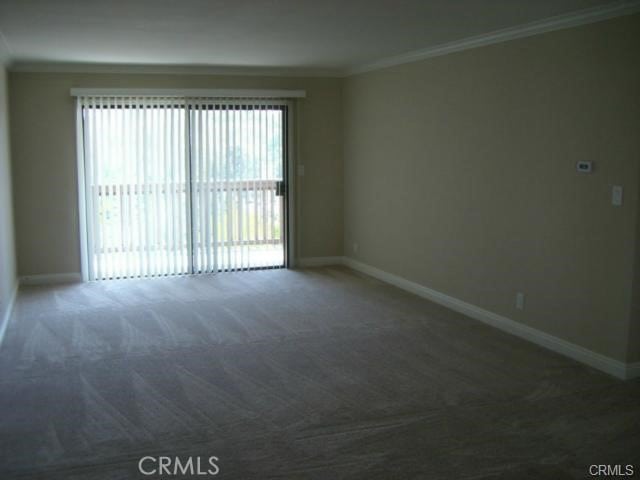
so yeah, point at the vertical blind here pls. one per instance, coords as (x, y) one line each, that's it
(236, 165)
(178, 185)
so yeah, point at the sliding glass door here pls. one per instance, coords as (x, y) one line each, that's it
(237, 174)
(175, 186)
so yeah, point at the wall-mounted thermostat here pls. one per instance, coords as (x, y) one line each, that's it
(583, 167)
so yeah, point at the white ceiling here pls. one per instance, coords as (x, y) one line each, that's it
(296, 34)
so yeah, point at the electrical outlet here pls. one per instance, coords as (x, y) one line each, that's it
(355, 247)
(584, 167)
(520, 301)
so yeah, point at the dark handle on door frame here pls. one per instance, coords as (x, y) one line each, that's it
(281, 189)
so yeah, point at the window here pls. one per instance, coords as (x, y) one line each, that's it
(174, 186)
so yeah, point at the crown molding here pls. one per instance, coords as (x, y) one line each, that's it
(581, 17)
(575, 19)
(54, 67)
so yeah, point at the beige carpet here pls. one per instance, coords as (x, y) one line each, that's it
(317, 373)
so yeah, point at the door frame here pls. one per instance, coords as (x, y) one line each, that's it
(290, 150)
(290, 158)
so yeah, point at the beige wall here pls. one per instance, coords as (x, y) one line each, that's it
(7, 250)
(44, 155)
(634, 327)
(460, 175)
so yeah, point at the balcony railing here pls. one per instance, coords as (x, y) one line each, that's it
(242, 217)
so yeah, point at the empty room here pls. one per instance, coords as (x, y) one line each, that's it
(328, 239)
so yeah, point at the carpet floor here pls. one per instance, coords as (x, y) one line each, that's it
(303, 374)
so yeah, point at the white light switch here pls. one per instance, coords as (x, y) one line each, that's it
(616, 195)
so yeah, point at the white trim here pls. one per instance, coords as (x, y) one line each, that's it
(292, 159)
(82, 219)
(187, 92)
(51, 278)
(576, 352)
(319, 261)
(574, 19)
(581, 17)
(6, 315)
(127, 69)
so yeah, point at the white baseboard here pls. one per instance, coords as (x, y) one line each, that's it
(319, 261)
(576, 352)
(51, 278)
(6, 315)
